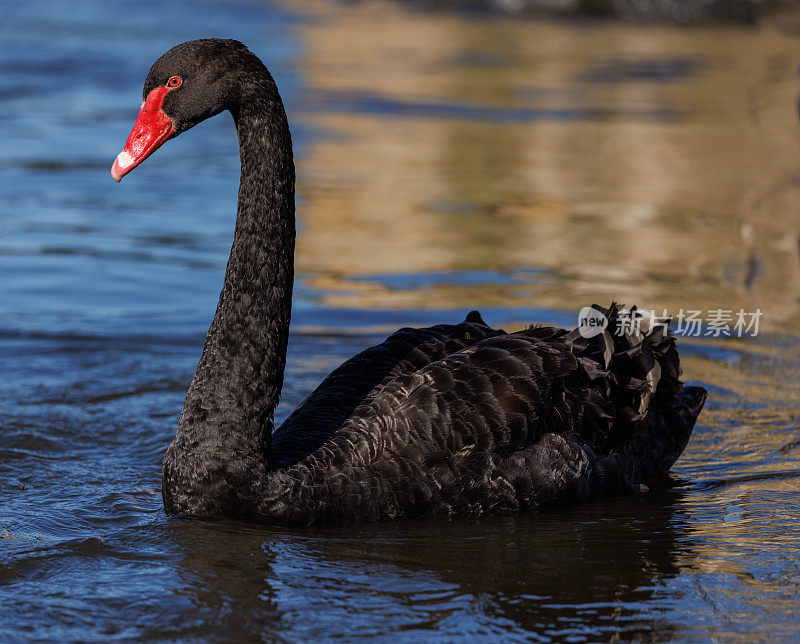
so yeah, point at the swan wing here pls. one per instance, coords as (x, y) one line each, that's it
(510, 422)
(360, 378)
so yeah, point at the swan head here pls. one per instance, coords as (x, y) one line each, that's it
(191, 82)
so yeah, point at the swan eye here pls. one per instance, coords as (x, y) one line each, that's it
(174, 82)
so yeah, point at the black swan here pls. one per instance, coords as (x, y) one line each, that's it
(449, 419)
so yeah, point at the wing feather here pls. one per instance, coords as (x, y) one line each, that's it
(468, 419)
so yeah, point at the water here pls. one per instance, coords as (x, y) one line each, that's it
(445, 162)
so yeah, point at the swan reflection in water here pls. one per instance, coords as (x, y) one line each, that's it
(591, 569)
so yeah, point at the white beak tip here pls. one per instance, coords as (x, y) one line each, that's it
(121, 164)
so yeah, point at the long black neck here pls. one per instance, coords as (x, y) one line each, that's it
(226, 421)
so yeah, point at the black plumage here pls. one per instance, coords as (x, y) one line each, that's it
(450, 419)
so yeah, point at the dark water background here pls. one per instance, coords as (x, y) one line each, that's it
(445, 162)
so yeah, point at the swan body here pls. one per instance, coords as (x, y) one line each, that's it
(455, 418)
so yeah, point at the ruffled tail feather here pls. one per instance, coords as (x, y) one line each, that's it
(636, 403)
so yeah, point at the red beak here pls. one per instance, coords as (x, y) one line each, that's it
(151, 129)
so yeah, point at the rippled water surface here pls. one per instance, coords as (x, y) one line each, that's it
(445, 162)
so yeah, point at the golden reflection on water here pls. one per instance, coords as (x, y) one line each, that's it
(656, 165)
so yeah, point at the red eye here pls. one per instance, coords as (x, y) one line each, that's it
(174, 82)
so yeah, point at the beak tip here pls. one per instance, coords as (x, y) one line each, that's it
(122, 165)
